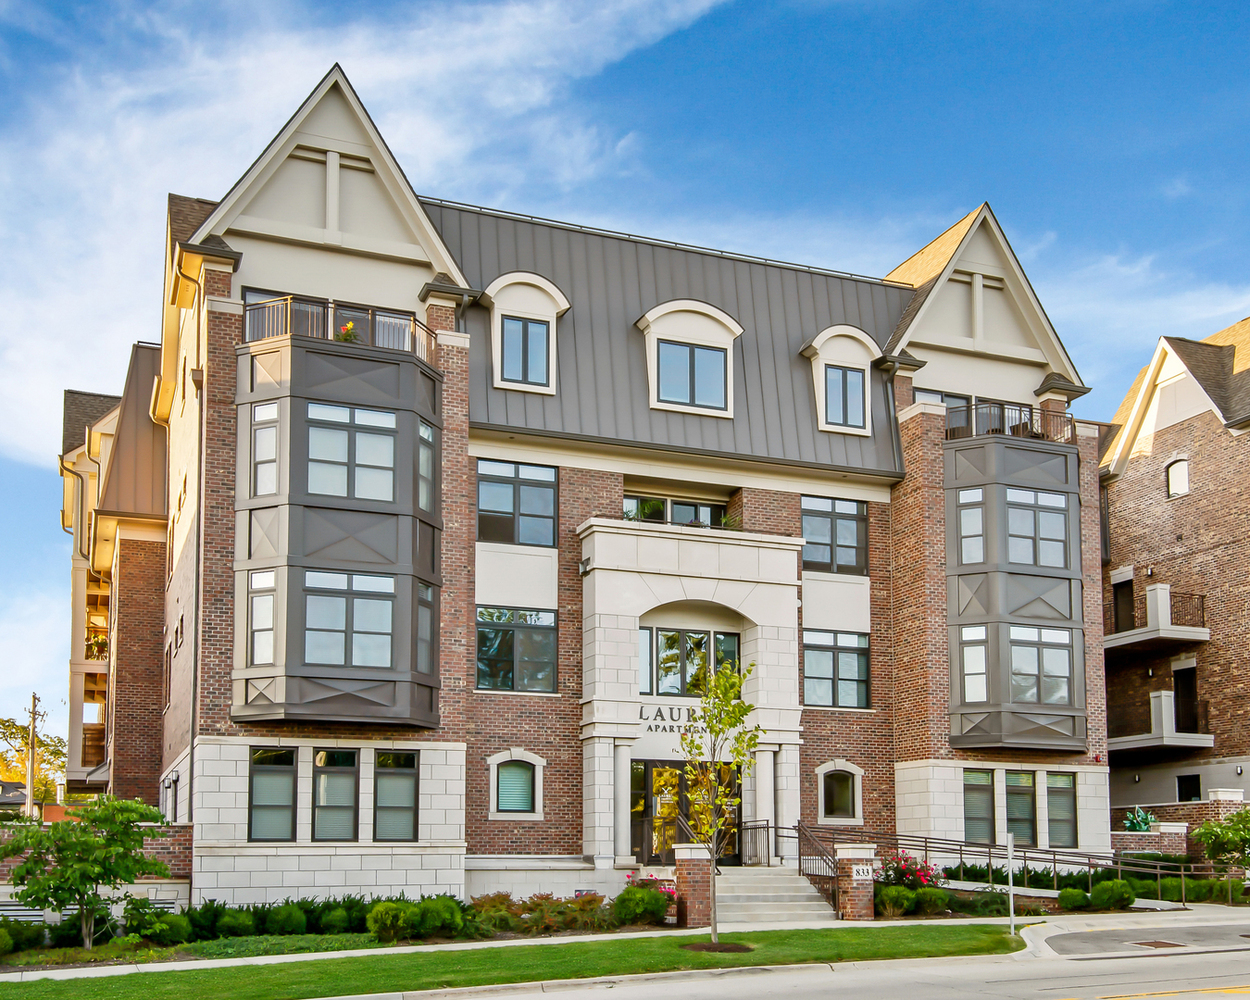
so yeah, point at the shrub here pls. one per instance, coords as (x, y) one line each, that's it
(1073, 899)
(66, 934)
(1169, 889)
(177, 930)
(979, 904)
(204, 919)
(589, 912)
(336, 921)
(641, 904)
(1199, 890)
(385, 921)
(24, 934)
(1143, 888)
(931, 900)
(6, 942)
(900, 868)
(235, 923)
(1113, 895)
(497, 912)
(895, 900)
(285, 919)
(435, 916)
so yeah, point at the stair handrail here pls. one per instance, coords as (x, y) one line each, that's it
(817, 863)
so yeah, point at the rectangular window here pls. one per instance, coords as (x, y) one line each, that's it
(1188, 788)
(377, 327)
(692, 375)
(646, 509)
(425, 465)
(516, 650)
(644, 661)
(979, 806)
(839, 795)
(348, 619)
(395, 796)
(1041, 665)
(339, 455)
(261, 584)
(681, 658)
(271, 797)
(971, 526)
(1037, 528)
(516, 503)
(524, 353)
(844, 396)
(514, 788)
(972, 651)
(1061, 809)
(264, 449)
(334, 794)
(835, 535)
(1022, 808)
(661, 510)
(835, 669)
(427, 651)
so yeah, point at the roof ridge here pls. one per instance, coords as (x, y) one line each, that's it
(927, 266)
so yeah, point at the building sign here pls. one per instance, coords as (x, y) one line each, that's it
(660, 725)
(861, 873)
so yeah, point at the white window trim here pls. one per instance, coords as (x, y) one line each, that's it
(559, 305)
(516, 753)
(663, 323)
(822, 349)
(840, 765)
(1176, 459)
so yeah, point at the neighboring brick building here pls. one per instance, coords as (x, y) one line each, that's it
(1177, 598)
(457, 508)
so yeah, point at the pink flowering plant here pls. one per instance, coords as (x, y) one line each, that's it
(900, 868)
(648, 882)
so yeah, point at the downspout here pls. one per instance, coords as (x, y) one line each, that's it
(199, 548)
(81, 531)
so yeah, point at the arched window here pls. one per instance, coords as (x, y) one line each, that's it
(1178, 478)
(841, 794)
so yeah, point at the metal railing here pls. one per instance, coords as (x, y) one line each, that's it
(1008, 418)
(817, 863)
(757, 842)
(309, 318)
(1188, 610)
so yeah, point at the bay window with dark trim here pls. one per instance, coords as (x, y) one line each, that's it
(348, 619)
(264, 449)
(516, 503)
(1041, 665)
(835, 535)
(351, 452)
(271, 794)
(523, 353)
(844, 397)
(261, 597)
(395, 785)
(335, 794)
(516, 650)
(1037, 528)
(692, 375)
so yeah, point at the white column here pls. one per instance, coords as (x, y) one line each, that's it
(598, 834)
(786, 794)
(765, 788)
(621, 813)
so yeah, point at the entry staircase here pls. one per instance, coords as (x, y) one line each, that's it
(760, 895)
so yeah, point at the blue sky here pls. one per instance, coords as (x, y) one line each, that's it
(1110, 138)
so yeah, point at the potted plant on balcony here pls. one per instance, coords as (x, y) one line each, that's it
(347, 333)
(97, 647)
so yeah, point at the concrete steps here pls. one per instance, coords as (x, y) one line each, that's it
(769, 895)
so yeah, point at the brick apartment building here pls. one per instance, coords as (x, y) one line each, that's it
(400, 558)
(1177, 545)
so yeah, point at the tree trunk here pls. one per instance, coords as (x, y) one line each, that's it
(714, 852)
(87, 914)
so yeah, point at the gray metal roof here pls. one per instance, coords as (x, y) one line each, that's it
(611, 279)
(134, 482)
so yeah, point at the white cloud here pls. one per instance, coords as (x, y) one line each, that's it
(472, 98)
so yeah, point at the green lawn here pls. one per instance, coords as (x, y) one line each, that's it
(379, 972)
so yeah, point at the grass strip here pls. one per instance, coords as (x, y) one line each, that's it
(379, 972)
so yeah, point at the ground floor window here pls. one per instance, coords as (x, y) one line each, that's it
(839, 793)
(335, 782)
(1188, 788)
(516, 785)
(979, 806)
(395, 796)
(1022, 807)
(271, 812)
(1061, 809)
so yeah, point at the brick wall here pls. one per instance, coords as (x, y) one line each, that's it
(767, 511)
(172, 846)
(1124, 842)
(137, 684)
(694, 888)
(1193, 813)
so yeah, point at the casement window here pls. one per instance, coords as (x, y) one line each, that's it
(426, 498)
(692, 375)
(839, 795)
(1022, 808)
(646, 666)
(835, 669)
(971, 526)
(271, 794)
(1037, 528)
(524, 351)
(348, 619)
(264, 449)
(261, 596)
(351, 452)
(516, 650)
(979, 806)
(1061, 809)
(662, 510)
(682, 658)
(835, 535)
(516, 503)
(1041, 665)
(1189, 788)
(973, 650)
(516, 785)
(427, 649)
(844, 396)
(335, 785)
(1178, 478)
(395, 796)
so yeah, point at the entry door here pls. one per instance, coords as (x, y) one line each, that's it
(658, 798)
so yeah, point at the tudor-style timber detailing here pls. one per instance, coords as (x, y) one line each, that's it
(423, 603)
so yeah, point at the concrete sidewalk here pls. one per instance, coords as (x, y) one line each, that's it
(1204, 927)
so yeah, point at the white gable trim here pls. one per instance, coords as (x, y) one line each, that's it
(227, 214)
(1056, 357)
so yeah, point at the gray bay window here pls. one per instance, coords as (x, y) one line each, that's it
(1041, 665)
(264, 449)
(348, 619)
(351, 452)
(261, 595)
(1037, 528)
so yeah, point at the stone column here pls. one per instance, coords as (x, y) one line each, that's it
(621, 803)
(765, 793)
(694, 885)
(786, 780)
(855, 864)
(598, 831)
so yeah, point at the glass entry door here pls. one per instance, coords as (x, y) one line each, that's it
(658, 796)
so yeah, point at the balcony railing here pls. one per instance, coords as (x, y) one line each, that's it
(351, 325)
(1188, 610)
(1006, 418)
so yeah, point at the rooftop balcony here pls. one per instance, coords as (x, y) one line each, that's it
(1010, 419)
(1161, 620)
(348, 324)
(1182, 724)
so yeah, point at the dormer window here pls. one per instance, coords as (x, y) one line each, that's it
(524, 309)
(844, 396)
(841, 357)
(689, 347)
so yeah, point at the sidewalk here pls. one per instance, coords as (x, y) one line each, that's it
(1204, 927)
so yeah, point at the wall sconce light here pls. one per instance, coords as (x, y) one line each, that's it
(1136, 778)
(1239, 769)
(1150, 671)
(1150, 571)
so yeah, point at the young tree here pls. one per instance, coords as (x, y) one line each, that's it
(718, 749)
(66, 865)
(50, 757)
(1227, 840)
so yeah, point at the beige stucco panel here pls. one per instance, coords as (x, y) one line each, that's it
(837, 602)
(516, 576)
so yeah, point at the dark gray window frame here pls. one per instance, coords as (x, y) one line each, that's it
(1037, 509)
(427, 447)
(526, 325)
(683, 674)
(516, 481)
(1054, 793)
(645, 510)
(253, 768)
(352, 429)
(354, 771)
(691, 348)
(254, 592)
(553, 629)
(350, 595)
(1019, 793)
(378, 771)
(865, 663)
(427, 597)
(860, 517)
(844, 419)
(992, 805)
(269, 423)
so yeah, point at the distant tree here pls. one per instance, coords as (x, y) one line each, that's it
(51, 755)
(718, 749)
(1227, 840)
(66, 865)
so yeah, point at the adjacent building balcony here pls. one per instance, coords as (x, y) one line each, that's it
(347, 324)
(1160, 619)
(1011, 419)
(1174, 723)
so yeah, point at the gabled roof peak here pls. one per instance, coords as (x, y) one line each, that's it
(930, 260)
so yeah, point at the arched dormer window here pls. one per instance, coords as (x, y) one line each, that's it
(689, 347)
(1178, 478)
(524, 308)
(842, 358)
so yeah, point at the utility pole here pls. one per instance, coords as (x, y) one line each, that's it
(30, 757)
